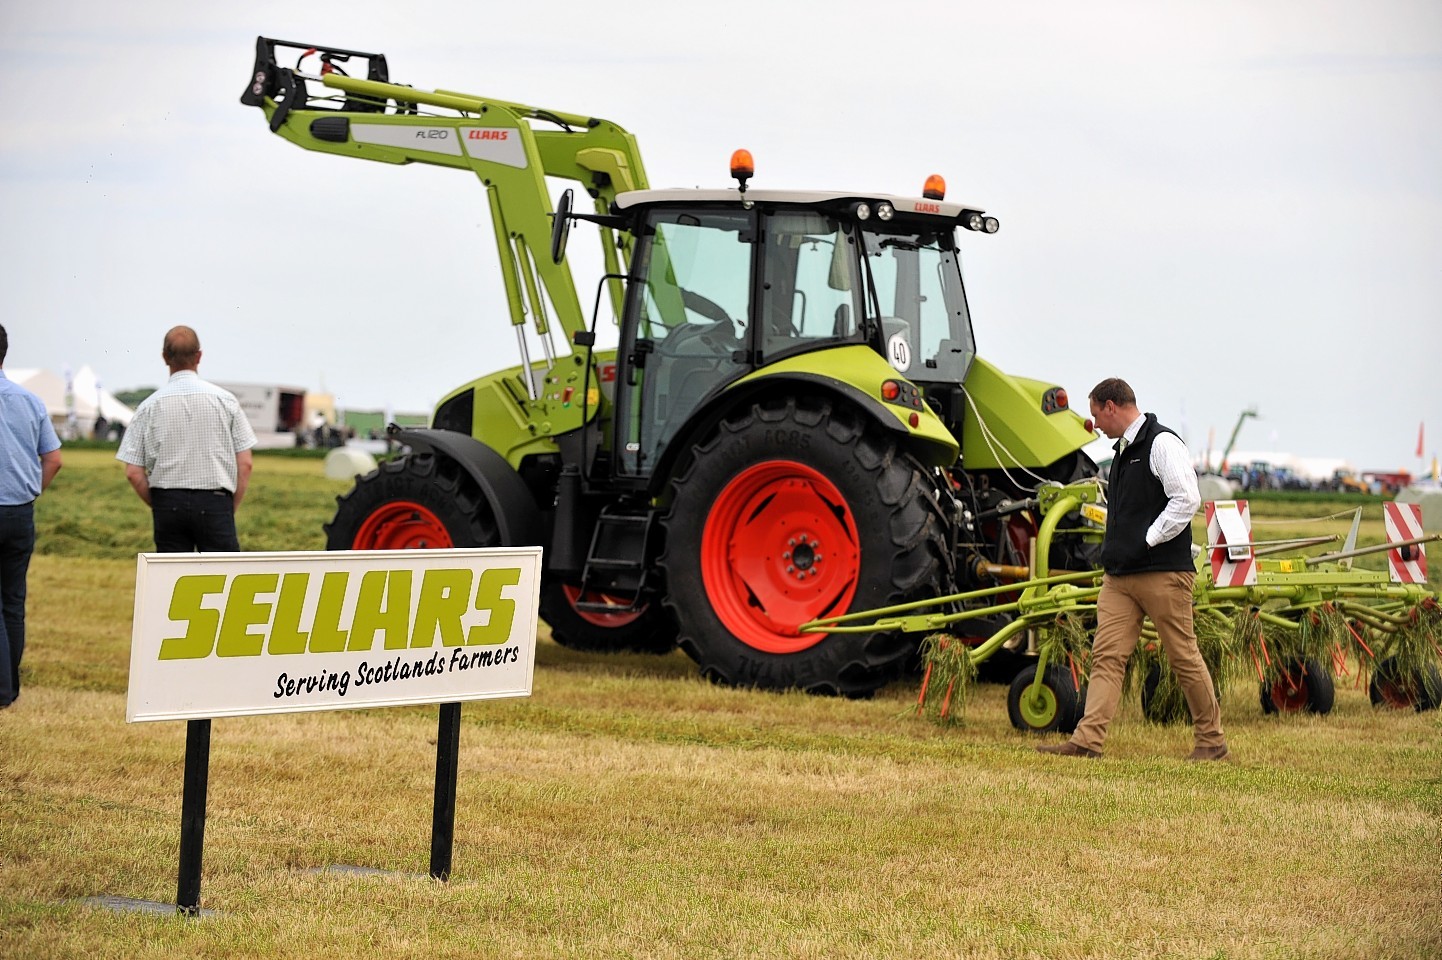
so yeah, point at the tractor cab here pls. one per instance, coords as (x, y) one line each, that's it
(859, 293)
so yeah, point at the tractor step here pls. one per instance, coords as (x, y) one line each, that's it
(588, 606)
(617, 562)
(602, 563)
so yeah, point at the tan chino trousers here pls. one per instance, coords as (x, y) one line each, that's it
(1165, 597)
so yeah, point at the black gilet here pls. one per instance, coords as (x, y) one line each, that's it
(1134, 499)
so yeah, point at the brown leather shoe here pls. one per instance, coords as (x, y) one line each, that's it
(1069, 749)
(1210, 753)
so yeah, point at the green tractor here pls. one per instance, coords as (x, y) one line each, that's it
(793, 425)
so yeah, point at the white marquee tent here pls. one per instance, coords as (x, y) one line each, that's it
(89, 399)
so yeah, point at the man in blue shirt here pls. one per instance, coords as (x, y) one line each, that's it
(29, 460)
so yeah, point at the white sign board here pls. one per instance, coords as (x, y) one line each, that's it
(236, 634)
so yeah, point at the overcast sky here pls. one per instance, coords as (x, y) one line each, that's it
(1228, 204)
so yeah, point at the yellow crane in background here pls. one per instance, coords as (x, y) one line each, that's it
(1232, 440)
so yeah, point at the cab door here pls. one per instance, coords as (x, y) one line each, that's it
(688, 322)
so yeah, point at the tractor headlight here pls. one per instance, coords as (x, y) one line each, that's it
(972, 221)
(862, 211)
(884, 211)
(991, 224)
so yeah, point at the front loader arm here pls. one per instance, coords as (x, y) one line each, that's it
(374, 119)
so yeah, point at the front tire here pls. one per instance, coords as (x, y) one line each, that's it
(420, 501)
(795, 510)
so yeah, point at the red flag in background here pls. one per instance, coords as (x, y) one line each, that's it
(1419, 437)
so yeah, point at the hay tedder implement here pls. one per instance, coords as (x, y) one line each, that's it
(1291, 624)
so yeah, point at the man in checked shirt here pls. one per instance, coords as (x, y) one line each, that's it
(1148, 572)
(187, 454)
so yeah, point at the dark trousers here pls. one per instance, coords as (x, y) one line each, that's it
(189, 520)
(17, 541)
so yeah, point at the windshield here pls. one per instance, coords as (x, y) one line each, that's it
(809, 283)
(925, 326)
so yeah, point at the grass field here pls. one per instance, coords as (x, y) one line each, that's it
(629, 809)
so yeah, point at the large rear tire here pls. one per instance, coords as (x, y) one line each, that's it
(649, 629)
(415, 502)
(792, 511)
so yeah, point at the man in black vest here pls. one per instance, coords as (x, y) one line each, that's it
(1147, 558)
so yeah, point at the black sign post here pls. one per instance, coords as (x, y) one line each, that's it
(192, 816)
(197, 777)
(443, 815)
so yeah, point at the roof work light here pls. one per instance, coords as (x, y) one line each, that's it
(742, 167)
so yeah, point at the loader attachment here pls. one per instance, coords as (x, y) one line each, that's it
(339, 101)
(286, 86)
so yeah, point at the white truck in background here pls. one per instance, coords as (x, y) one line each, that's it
(276, 413)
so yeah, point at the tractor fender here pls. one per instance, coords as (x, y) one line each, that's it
(517, 516)
(712, 412)
(885, 416)
(857, 373)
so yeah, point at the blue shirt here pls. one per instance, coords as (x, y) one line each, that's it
(25, 434)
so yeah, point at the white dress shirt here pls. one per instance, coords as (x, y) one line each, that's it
(1172, 465)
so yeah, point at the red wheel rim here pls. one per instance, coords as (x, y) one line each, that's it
(1395, 694)
(1290, 694)
(402, 525)
(779, 548)
(609, 620)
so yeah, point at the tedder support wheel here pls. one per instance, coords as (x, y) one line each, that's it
(1392, 686)
(795, 509)
(1166, 703)
(1056, 706)
(1304, 685)
(648, 629)
(420, 501)
(1163, 705)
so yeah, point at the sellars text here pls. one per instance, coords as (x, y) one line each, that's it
(296, 613)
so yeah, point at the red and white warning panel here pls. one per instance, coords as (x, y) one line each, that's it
(1407, 564)
(1229, 534)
